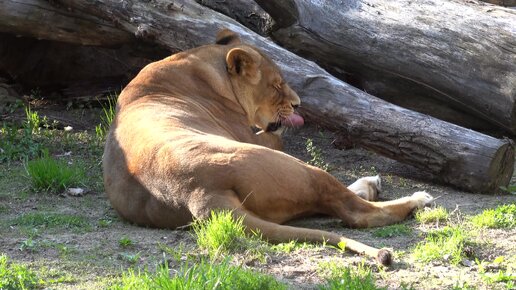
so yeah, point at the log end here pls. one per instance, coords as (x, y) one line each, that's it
(482, 172)
(502, 166)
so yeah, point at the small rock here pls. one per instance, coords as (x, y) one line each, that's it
(68, 128)
(75, 191)
(466, 262)
(446, 257)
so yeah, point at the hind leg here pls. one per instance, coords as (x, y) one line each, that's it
(367, 188)
(276, 233)
(279, 188)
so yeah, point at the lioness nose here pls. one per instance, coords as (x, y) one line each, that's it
(295, 106)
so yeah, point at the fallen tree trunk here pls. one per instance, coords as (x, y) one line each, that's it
(458, 156)
(41, 20)
(461, 53)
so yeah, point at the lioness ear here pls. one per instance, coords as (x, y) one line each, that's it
(226, 36)
(244, 62)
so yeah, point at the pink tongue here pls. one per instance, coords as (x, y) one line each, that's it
(294, 120)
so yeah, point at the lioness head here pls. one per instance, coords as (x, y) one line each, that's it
(259, 86)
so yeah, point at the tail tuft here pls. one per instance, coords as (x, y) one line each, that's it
(384, 257)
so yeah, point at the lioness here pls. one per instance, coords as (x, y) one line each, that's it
(182, 145)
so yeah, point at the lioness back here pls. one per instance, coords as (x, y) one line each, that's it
(176, 115)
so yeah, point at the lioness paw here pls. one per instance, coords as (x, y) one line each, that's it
(367, 187)
(422, 198)
(377, 182)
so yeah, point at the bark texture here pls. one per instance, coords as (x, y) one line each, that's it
(42, 20)
(246, 12)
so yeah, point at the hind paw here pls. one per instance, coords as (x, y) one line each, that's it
(375, 182)
(367, 187)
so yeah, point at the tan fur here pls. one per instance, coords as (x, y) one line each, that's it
(367, 188)
(182, 145)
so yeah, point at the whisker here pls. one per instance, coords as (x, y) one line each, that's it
(277, 117)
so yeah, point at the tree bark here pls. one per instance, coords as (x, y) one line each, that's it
(246, 12)
(41, 20)
(458, 156)
(461, 53)
(405, 94)
(506, 3)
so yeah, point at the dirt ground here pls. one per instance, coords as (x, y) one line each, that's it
(91, 257)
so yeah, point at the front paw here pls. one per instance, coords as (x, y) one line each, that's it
(422, 198)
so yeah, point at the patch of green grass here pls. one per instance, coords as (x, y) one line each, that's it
(51, 220)
(49, 174)
(285, 247)
(28, 245)
(132, 258)
(50, 276)
(20, 143)
(461, 285)
(505, 275)
(510, 189)
(125, 242)
(402, 182)
(346, 277)
(17, 144)
(392, 231)
(220, 233)
(502, 217)
(33, 121)
(202, 275)
(177, 253)
(432, 215)
(4, 208)
(107, 117)
(316, 154)
(105, 222)
(444, 244)
(64, 250)
(16, 276)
